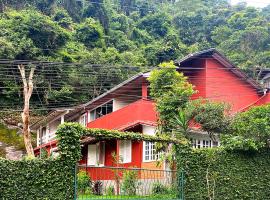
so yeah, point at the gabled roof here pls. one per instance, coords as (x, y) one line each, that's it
(264, 73)
(55, 114)
(72, 110)
(146, 75)
(213, 53)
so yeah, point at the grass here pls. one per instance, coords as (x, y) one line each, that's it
(135, 197)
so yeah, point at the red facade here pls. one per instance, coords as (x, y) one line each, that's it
(214, 78)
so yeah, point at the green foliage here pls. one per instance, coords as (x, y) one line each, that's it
(247, 173)
(69, 146)
(250, 130)
(90, 32)
(63, 19)
(241, 144)
(130, 182)
(138, 33)
(43, 154)
(171, 92)
(110, 191)
(84, 182)
(36, 179)
(11, 137)
(212, 116)
(69, 135)
(159, 188)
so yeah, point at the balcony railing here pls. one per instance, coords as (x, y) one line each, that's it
(141, 111)
(47, 138)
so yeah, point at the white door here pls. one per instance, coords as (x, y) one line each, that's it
(92, 154)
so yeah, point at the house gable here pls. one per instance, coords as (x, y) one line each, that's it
(216, 78)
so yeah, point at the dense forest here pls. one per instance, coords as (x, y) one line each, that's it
(118, 38)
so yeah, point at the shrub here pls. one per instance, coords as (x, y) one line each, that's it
(110, 191)
(248, 173)
(33, 179)
(84, 181)
(159, 188)
(130, 182)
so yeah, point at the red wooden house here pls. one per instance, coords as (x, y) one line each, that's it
(128, 107)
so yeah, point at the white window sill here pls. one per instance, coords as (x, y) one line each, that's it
(147, 161)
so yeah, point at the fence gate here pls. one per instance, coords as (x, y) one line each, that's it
(93, 183)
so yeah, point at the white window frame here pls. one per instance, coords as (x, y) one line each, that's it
(202, 143)
(98, 162)
(151, 154)
(83, 119)
(125, 151)
(94, 109)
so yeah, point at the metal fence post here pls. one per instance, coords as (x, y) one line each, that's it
(182, 197)
(75, 182)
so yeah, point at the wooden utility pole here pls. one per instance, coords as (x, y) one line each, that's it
(27, 93)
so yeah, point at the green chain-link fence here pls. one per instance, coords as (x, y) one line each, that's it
(127, 183)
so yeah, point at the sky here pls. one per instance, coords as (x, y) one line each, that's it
(256, 3)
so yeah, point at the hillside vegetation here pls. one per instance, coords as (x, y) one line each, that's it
(119, 33)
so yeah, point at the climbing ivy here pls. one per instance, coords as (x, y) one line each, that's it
(35, 179)
(225, 175)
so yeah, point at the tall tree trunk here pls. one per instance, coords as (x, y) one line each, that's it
(27, 93)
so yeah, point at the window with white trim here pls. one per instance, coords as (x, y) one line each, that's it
(149, 151)
(125, 149)
(101, 110)
(200, 143)
(83, 119)
(96, 154)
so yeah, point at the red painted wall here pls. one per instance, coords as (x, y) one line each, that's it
(224, 86)
(141, 110)
(264, 100)
(196, 72)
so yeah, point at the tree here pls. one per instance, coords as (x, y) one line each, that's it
(171, 92)
(27, 92)
(212, 117)
(250, 130)
(90, 32)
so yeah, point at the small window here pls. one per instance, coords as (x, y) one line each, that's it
(125, 151)
(92, 155)
(83, 119)
(101, 111)
(150, 153)
(198, 144)
(203, 143)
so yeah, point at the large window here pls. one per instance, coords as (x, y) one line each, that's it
(101, 110)
(150, 152)
(96, 154)
(125, 149)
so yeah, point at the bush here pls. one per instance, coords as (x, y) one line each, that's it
(110, 191)
(231, 175)
(84, 182)
(159, 188)
(130, 182)
(36, 179)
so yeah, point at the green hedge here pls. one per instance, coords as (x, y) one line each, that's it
(43, 179)
(232, 175)
(48, 179)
